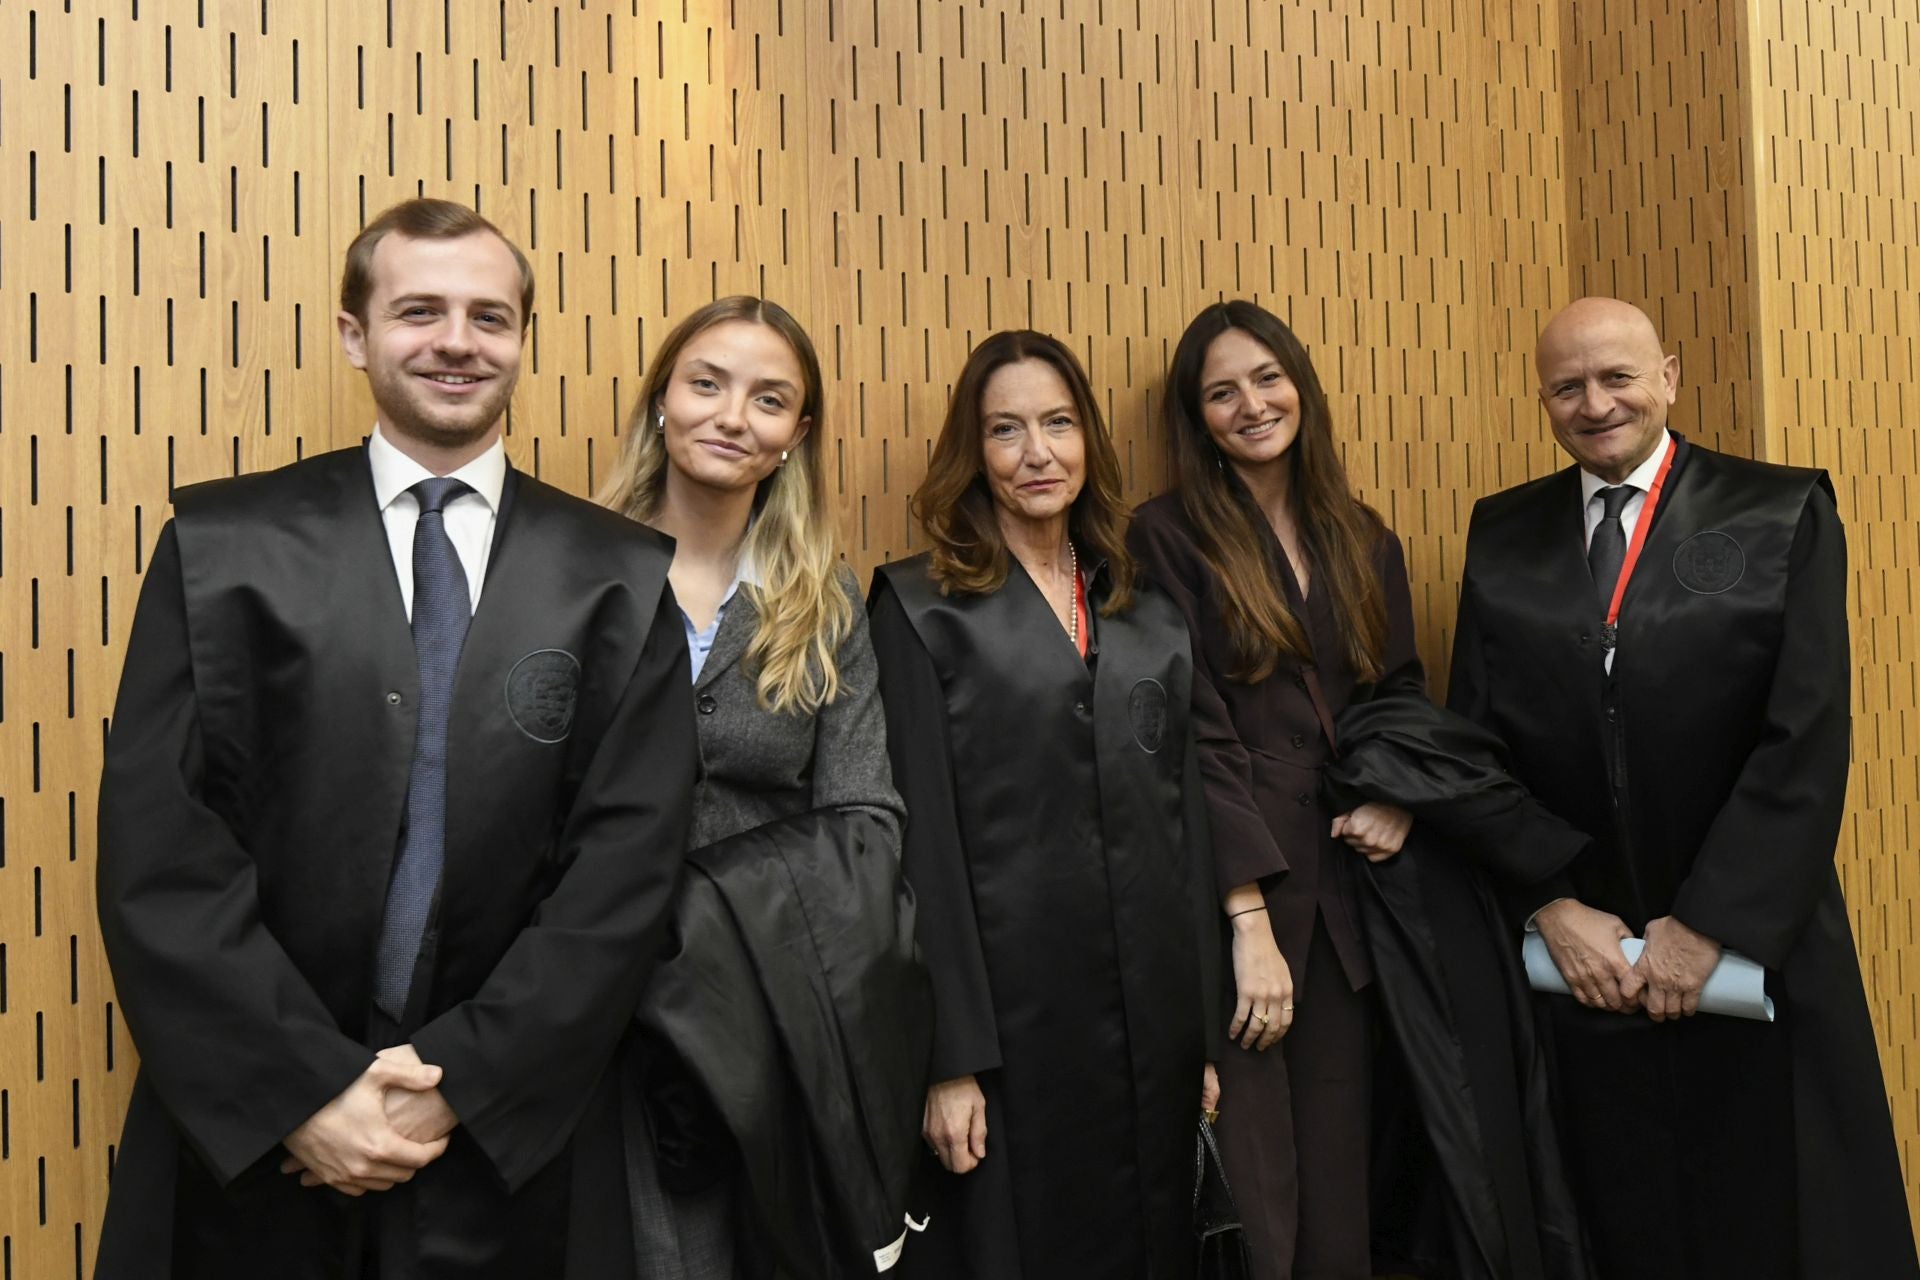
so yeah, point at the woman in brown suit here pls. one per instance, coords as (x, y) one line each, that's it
(1296, 597)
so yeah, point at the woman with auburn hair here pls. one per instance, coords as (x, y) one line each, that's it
(1296, 597)
(1036, 700)
(723, 453)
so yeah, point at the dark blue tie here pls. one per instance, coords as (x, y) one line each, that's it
(442, 610)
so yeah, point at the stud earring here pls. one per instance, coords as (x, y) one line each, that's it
(783, 457)
(660, 422)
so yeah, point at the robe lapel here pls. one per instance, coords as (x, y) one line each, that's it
(1564, 593)
(1674, 519)
(374, 626)
(361, 549)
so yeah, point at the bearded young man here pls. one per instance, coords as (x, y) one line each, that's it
(1659, 633)
(395, 797)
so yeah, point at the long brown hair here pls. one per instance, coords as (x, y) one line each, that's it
(804, 612)
(956, 508)
(1340, 531)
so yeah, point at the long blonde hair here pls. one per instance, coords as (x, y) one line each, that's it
(804, 611)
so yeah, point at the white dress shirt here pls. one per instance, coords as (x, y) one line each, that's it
(469, 517)
(1640, 479)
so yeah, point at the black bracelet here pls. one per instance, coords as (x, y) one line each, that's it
(1235, 915)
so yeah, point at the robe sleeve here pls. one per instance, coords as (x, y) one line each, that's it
(850, 768)
(193, 963)
(1467, 695)
(966, 1039)
(522, 1055)
(1208, 922)
(1244, 849)
(1757, 877)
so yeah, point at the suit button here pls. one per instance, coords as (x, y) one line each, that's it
(1304, 798)
(1298, 739)
(706, 704)
(393, 698)
(1080, 708)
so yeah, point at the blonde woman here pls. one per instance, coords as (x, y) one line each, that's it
(723, 454)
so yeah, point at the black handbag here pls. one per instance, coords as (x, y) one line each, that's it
(1220, 1240)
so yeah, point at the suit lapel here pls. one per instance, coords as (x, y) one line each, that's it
(730, 642)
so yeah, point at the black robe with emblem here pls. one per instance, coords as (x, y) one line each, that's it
(1057, 850)
(1710, 768)
(251, 808)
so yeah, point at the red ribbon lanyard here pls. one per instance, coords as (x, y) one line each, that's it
(1640, 527)
(1080, 612)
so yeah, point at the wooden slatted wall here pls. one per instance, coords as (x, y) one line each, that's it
(905, 175)
(1836, 109)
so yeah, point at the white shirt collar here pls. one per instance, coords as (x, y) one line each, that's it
(394, 472)
(1641, 477)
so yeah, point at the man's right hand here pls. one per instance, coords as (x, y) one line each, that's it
(1585, 946)
(349, 1144)
(956, 1123)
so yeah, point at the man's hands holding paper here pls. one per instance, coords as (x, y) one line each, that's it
(1676, 964)
(1666, 981)
(1585, 945)
(382, 1129)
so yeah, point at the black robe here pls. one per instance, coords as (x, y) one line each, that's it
(1058, 856)
(250, 811)
(1710, 768)
(790, 1027)
(1469, 1180)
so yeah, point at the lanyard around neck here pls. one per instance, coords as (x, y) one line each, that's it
(1640, 528)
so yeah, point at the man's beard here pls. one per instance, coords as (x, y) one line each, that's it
(448, 427)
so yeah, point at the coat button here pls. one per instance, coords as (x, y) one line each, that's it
(706, 704)
(1298, 740)
(1304, 798)
(1080, 708)
(393, 698)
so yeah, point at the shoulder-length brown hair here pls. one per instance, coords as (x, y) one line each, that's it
(957, 509)
(1340, 532)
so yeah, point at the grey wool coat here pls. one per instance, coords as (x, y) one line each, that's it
(758, 766)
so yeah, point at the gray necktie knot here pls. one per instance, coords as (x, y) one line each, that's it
(436, 493)
(1614, 499)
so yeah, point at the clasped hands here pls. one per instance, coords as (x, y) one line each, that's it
(382, 1129)
(1665, 981)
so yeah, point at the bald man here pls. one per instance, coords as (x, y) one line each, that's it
(1659, 633)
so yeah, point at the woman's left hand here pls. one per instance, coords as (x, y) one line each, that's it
(1375, 831)
(1209, 1090)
